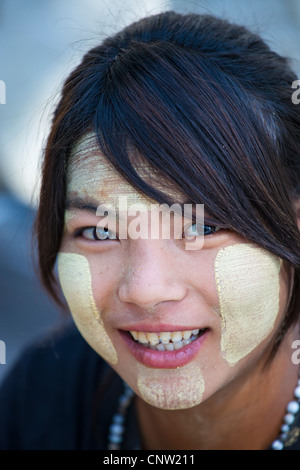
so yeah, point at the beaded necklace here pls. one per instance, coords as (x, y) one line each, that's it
(117, 427)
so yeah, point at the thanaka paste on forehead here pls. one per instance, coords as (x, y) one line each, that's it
(247, 280)
(171, 389)
(69, 215)
(89, 173)
(76, 282)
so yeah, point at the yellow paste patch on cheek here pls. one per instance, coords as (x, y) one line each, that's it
(247, 279)
(76, 282)
(171, 389)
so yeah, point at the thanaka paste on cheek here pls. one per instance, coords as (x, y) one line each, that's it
(247, 279)
(76, 282)
(171, 389)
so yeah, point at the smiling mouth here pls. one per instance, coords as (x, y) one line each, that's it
(166, 341)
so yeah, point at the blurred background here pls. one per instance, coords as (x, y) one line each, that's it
(40, 43)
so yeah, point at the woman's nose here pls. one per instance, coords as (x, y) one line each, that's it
(152, 275)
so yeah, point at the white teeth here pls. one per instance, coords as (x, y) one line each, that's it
(187, 334)
(164, 337)
(134, 334)
(166, 341)
(142, 337)
(177, 336)
(188, 341)
(152, 338)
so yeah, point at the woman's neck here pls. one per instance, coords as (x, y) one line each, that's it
(245, 414)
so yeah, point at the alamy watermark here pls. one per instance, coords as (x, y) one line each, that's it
(2, 352)
(296, 354)
(296, 94)
(136, 221)
(2, 92)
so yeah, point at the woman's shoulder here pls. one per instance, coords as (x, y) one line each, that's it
(61, 349)
(47, 391)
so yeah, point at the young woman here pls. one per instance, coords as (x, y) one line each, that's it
(180, 346)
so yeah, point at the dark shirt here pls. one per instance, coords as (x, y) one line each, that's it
(61, 395)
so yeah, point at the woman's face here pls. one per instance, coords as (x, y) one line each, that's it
(176, 324)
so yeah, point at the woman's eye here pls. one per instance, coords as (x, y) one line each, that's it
(103, 233)
(197, 230)
(97, 234)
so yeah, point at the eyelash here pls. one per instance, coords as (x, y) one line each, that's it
(80, 233)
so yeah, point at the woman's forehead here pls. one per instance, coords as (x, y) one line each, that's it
(91, 175)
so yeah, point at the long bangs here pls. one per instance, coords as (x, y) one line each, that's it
(201, 131)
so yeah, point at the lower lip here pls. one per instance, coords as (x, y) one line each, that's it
(163, 359)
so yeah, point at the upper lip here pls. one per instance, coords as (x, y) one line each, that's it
(159, 328)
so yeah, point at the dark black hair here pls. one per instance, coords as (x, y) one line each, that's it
(208, 105)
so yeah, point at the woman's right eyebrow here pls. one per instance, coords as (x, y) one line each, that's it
(92, 206)
(82, 204)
